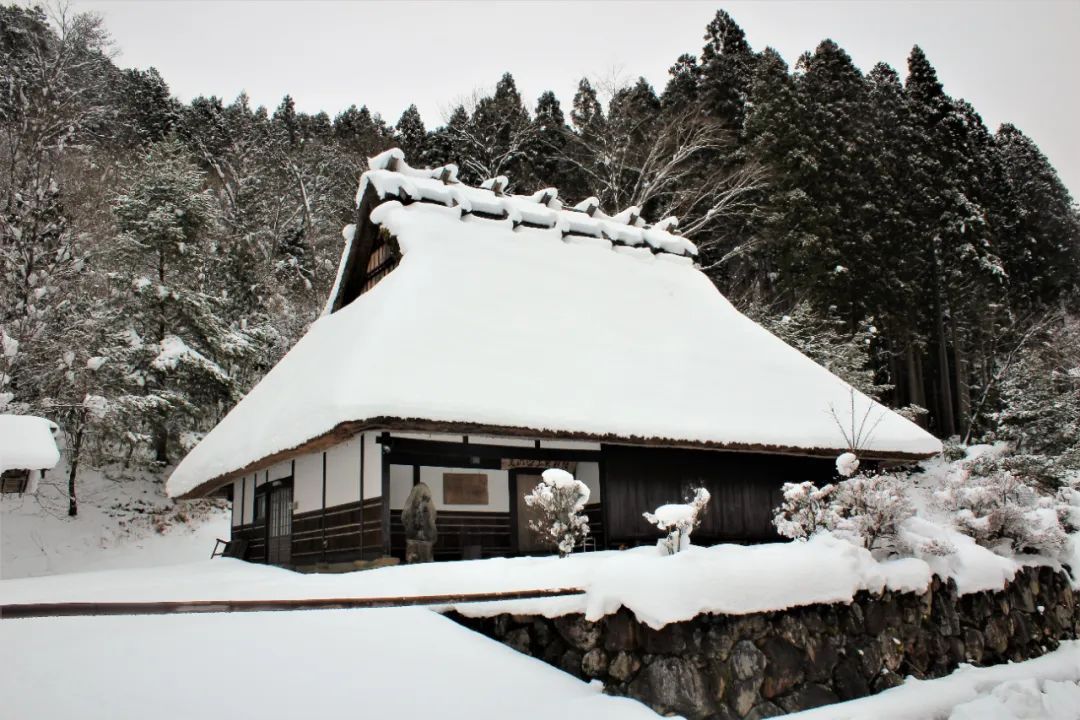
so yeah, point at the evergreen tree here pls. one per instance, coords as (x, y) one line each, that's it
(549, 166)
(411, 137)
(727, 65)
(587, 113)
(449, 143)
(1042, 246)
(682, 86)
(177, 350)
(500, 134)
(286, 120)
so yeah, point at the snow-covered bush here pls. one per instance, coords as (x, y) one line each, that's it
(866, 510)
(1004, 510)
(805, 511)
(560, 500)
(678, 520)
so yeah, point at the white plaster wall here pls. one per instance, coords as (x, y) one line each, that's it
(372, 466)
(589, 473)
(282, 470)
(400, 485)
(343, 472)
(569, 445)
(249, 498)
(498, 488)
(307, 483)
(504, 441)
(441, 437)
(236, 500)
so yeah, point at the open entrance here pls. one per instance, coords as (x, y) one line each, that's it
(279, 525)
(528, 540)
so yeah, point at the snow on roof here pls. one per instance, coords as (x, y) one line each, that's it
(539, 325)
(27, 443)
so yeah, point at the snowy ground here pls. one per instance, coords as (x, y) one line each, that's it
(373, 659)
(406, 663)
(125, 520)
(1042, 689)
(402, 662)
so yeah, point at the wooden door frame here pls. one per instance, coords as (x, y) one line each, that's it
(513, 474)
(266, 489)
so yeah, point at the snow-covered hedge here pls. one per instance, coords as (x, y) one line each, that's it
(981, 492)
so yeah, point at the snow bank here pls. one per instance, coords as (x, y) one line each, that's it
(642, 346)
(27, 443)
(392, 663)
(1040, 689)
(124, 521)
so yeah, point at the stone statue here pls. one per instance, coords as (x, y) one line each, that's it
(418, 517)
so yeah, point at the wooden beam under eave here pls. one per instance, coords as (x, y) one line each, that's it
(344, 431)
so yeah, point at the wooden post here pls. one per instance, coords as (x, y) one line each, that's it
(363, 443)
(385, 499)
(323, 523)
(603, 500)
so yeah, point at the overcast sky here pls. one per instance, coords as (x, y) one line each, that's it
(1014, 61)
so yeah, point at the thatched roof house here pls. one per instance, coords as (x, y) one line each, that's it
(474, 329)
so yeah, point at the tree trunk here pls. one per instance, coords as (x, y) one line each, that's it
(76, 451)
(161, 444)
(963, 388)
(946, 421)
(914, 377)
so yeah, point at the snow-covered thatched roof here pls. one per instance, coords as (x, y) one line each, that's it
(27, 443)
(508, 314)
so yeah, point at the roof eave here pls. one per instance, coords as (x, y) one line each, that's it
(344, 431)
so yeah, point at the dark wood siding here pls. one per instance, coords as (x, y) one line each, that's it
(342, 533)
(489, 532)
(745, 490)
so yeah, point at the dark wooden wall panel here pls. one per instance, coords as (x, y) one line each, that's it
(745, 490)
(490, 531)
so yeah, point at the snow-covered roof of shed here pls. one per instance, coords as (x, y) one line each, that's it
(547, 321)
(27, 443)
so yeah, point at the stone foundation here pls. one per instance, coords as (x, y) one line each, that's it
(766, 664)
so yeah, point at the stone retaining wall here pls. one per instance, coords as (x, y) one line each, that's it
(766, 664)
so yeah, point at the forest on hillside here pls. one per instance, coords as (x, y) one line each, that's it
(158, 257)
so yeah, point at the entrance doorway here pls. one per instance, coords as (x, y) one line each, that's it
(528, 540)
(279, 526)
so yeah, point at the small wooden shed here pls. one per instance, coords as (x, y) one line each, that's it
(27, 450)
(475, 337)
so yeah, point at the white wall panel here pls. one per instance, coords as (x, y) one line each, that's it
(372, 466)
(307, 483)
(589, 473)
(343, 472)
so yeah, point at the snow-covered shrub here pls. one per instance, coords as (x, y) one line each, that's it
(1005, 510)
(952, 449)
(866, 510)
(560, 500)
(678, 520)
(805, 511)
